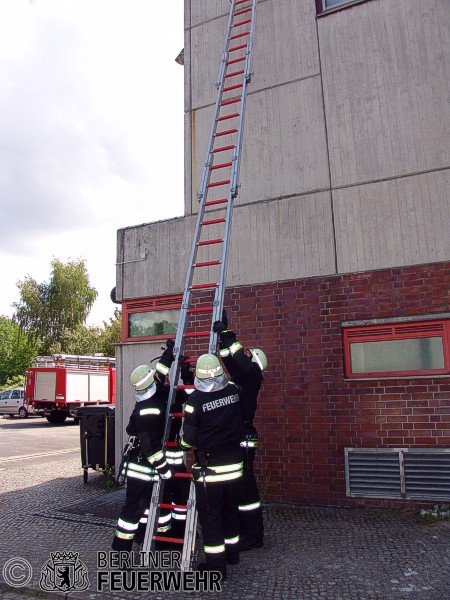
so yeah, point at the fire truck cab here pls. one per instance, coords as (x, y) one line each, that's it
(56, 386)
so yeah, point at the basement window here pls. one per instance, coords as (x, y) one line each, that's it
(398, 473)
(397, 350)
(150, 318)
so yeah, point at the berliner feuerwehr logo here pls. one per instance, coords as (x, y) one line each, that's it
(64, 572)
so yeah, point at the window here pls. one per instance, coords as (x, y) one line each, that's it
(152, 318)
(328, 5)
(401, 349)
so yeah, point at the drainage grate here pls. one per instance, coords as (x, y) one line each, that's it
(398, 472)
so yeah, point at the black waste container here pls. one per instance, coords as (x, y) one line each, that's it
(96, 438)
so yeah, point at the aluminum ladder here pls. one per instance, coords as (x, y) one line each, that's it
(204, 289)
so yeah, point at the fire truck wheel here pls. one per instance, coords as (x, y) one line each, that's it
(56, 417)
(23, 413)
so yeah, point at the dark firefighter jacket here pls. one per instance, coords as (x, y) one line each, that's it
(147, 422)
(213, 425)
(247, 375)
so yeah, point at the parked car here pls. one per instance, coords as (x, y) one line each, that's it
(12, 403)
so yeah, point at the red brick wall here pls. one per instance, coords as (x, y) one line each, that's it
(308, 413)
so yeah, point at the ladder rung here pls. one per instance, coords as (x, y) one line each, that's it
(219, 183)
(172, 444)
(234, 74)
(210, 242)
(236, 60)
(214, 221)
(182, 475)
(200, 310)
(169, 540)
(232, 87)
(236, 48)
(203, 286)
(164, 505)
(224, 148)
(178, 415)
(239, 35)
(197, 334)
(243, 11)
(231, 116)
(240, 2)
(227, 132)
(185, 387)
(221, 166)
(214, 202)
(242, 23)
(210, 263)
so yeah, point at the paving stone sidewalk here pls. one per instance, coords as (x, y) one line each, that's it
(312, 553)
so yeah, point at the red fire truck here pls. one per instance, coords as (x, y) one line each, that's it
(56, 386)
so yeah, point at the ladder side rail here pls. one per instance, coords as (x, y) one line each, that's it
(190, 531)
(237, 158)
(223, 63)
(248, 63)
(220, 291)
(148, 544)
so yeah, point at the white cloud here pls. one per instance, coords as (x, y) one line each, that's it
(91, 132)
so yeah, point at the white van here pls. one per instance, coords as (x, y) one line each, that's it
(11, 403)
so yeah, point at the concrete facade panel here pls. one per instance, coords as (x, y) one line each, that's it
(385, 80)
(128, 357)
(393, 223)
(284, 149)
(270, 241)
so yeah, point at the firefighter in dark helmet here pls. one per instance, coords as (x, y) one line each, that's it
(146, 462)
(213, 427)
(246, 369)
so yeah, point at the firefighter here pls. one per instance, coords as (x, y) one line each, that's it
(246, 369)
(213, 426)
(146, 462)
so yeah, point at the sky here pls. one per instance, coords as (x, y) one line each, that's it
(91, 133)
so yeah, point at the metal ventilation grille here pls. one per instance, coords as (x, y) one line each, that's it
(373, 474)
(398, 473)
(427, 475)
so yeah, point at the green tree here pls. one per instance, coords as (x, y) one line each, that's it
(90, 340)
(111, 334)
(16, 352)
(48, 311)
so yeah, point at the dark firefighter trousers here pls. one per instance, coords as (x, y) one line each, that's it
(250, 512)
(218, 513)
(137, 502)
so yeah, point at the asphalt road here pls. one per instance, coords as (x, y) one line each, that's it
(33, 441)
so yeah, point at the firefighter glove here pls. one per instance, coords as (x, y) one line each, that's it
(166, 475)
(219, 326)
(186, 374)
(227, 338)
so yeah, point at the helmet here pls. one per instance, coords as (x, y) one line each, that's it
(142, 377)
(259, 357)
(208, 365)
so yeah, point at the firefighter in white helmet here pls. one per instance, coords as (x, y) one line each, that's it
(246, 369)
(146, 462)
(213, 426)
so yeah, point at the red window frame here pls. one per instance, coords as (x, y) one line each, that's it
(397, 331)
(144, 305)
